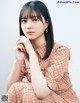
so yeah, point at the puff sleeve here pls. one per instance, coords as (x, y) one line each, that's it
(59, 66)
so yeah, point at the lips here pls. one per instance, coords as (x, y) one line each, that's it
(30, 32)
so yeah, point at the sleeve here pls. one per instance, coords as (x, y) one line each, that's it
(58, 67)
(22, 71)
(12, 98)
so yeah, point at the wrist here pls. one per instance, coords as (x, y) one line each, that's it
(18, 61)
(32, 52)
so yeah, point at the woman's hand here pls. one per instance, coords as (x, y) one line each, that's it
(25, 42)
(20, 52)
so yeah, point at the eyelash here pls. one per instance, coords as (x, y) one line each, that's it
(23, 20)
(33, 19)
(36, 19)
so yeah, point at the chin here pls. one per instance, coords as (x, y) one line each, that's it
(31, 38)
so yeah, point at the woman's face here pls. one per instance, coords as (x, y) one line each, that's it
(33, 28)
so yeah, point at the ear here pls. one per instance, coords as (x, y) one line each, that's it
(46, 24)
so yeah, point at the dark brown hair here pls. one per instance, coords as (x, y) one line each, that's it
(40, 9)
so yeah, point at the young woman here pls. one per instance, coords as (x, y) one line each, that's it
(42, 61)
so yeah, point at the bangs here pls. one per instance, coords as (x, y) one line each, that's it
(29, 12)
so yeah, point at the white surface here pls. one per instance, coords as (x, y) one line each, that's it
(66, 23)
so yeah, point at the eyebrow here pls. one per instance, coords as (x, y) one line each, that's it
(30, 17)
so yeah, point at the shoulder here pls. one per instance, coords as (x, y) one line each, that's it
(59, 47)
(60, 50)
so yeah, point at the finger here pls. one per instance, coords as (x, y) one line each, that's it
(23, 47)
(19, 42)
(19, 48)
(20, 38)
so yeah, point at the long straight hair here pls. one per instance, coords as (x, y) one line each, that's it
(40, 9)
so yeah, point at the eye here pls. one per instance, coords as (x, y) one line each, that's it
(35, 19)
(23, 20)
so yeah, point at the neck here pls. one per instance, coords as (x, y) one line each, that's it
(39, 41)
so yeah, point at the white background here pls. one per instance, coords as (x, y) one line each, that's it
(66, 24)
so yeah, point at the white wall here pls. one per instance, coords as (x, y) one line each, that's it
(66, 22)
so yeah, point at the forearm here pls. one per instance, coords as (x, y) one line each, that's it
(14, 75)
(38, 79)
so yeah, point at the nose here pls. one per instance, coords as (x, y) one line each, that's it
(29, 24)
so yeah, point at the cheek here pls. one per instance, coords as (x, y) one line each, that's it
(40, 28)
(22, 27)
